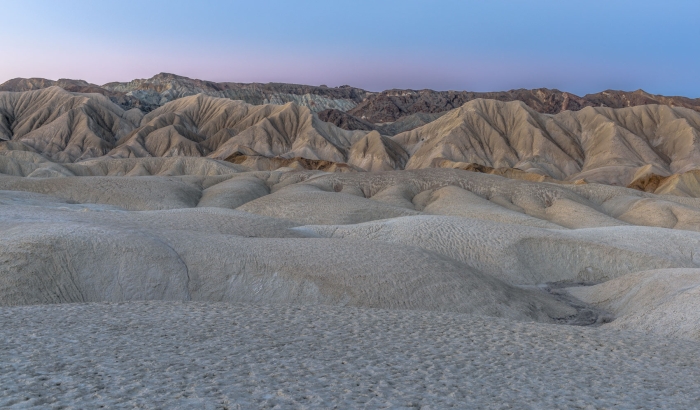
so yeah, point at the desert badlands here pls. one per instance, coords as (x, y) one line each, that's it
(173, 243)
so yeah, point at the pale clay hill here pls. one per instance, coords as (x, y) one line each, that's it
(213, 253)
(149, 94)
(652, 147)
(392, 105)
(346, 106)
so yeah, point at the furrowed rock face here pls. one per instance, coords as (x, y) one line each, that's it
(68, 127)
(650, 147)
(28, 84)
(346, 121)
(149, 94)
(342, 119)
(391, 105)
(63, 126)
(375, 152)
(495, 134)
(165, 87)
(613, 146)
(219, 128)
(127, 102)
(621, 99)
(345, 106)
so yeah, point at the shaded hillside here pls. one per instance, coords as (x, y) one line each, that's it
(149, 94)
(165, 87)
(219, 128)
(67, 127)
(76, 86)
(346, 121)
(347, 107)
(63, 126)
(653, 147)
(391, 105)
(612, 146)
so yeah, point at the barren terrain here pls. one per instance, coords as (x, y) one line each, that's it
(216, 253)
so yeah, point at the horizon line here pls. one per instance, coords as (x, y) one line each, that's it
(352, 86)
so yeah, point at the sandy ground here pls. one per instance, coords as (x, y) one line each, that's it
(214, 355)
(305, 262)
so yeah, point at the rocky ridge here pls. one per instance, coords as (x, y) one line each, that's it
(391, 105)
(347, 107)
(652, 148)
(149, 94)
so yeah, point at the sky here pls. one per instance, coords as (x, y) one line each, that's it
(583, 46)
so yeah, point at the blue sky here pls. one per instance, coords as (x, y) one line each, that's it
(577, 46)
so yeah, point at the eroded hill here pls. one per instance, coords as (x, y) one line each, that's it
(345, 106)
(653, 148)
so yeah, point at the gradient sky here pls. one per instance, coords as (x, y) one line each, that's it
(582, 46)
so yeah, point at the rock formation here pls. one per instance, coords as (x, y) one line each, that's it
(345, 106)
(391, 105)
(652, 147)
(149, 94)
(606, 145)
(63, 126)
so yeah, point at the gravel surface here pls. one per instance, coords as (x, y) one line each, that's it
(215, 355)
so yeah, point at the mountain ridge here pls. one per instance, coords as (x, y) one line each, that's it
(360, 108)
(650, 147)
